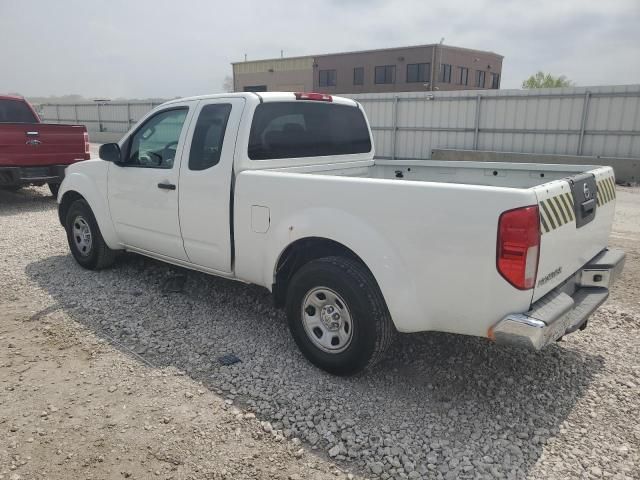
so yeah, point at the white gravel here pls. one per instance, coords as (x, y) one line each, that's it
(440, 406)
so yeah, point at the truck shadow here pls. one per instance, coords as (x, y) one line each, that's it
(27, 199)
(436, 398)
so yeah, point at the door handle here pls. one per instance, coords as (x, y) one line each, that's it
(167, 186)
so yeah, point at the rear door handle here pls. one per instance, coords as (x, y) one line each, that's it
(167, 186)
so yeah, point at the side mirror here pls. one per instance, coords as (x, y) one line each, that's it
(110, 152)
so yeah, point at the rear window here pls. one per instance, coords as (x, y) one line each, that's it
(307, 129)
(15, 111)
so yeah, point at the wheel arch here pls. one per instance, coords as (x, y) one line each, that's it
(80, 186)
(67, 199)
(302, 251)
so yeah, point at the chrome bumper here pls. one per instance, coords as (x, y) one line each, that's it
(566, 308)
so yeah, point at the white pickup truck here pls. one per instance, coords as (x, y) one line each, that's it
(282, 190)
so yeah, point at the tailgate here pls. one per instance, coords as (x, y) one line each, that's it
(576, 215)
(39, 144)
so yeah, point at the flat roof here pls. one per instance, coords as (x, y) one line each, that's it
(374, 50)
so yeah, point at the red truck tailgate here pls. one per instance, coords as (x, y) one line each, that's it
(39, 144)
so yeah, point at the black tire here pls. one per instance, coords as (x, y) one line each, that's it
(11, 188)
(53, 188)
(371, 325)
(98, 255)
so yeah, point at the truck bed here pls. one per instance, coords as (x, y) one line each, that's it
(493, 174)
(565, 244)
(440, 220)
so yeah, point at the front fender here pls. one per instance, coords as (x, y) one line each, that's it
(89, 179)
(377, 252)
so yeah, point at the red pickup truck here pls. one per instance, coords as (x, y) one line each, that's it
(35, 153)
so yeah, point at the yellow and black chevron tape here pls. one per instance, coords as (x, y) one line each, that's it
(558, 210)
(606, 190)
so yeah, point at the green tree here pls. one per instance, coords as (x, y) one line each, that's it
(227, 84)
(546, 80)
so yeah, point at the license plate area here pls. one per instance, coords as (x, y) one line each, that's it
(584, 191)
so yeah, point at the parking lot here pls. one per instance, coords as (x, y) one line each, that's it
(115, 374)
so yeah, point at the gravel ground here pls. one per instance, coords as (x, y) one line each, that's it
(439, 406)
(74, 407)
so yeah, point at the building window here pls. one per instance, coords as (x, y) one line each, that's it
(480, 78)
(327, 78)
(463, 76)
(255, 88)
(495, 80)
(445, 73)
(385, 74)
(358, 76)
(418, 72)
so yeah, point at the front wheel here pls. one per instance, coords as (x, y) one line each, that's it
(84, 237)
(337, 315)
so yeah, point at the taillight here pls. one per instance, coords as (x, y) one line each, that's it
(319, 97)
(87, 147)
(519, 246)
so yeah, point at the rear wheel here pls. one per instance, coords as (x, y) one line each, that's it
(84, 237)
(337, 315)
(53, 188)
(11, 188)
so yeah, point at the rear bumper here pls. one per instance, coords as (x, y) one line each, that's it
(564, 309)
(13, 176)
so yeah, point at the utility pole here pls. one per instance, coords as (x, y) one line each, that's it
(440, 56)
(435, 72)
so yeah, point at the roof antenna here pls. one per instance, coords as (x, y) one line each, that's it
(281, 53)
(245, 57)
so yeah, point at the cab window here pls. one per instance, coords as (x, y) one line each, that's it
(155, 143)
(208, 136)
(307, 129)
(15, 111)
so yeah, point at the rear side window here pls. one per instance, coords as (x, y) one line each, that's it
(307, 129)
(15, 111)
(208, 136)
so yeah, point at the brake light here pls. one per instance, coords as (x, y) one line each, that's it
(87, 147)
(319, 97)
(518, 247)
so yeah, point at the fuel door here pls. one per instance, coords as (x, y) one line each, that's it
(584, 191)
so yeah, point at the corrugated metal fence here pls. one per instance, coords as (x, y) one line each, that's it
(593, 121)
(111, 118)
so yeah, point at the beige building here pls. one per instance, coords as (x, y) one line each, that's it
(417, 68)
(282, 74)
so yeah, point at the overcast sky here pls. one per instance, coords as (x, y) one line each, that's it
(168, 48)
